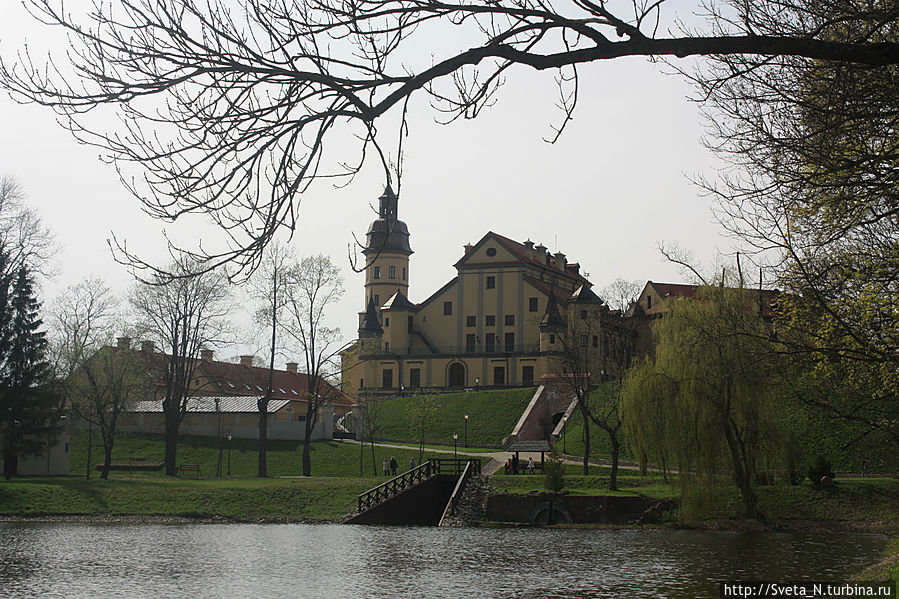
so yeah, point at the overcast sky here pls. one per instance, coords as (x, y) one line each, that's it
(614, 186)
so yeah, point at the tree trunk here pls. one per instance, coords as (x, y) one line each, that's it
(107, 461)
(307, 439)
(616, 445)
(586, 443)
(171, 444)
(90, 444)
(263, 437)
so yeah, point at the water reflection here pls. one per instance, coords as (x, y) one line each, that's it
(82, 560)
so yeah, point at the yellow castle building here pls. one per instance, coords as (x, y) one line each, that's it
(497, 323)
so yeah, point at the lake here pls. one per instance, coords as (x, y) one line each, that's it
(328, 560)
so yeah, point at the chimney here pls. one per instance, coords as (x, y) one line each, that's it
(574, 267)
(246, 360)
(560, 261)
(148, 347)
(467, 247)
(206, 355)
(291, 367)
(529, 244)
(542, 256)
(123, 342)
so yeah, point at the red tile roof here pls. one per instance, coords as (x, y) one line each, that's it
(237, 379)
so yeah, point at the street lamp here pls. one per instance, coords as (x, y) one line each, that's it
(229, 455)
(455, 454)
(466, 430)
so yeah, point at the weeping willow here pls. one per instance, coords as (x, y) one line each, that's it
(703, 401)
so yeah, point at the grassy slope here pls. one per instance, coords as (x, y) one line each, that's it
(491, 416)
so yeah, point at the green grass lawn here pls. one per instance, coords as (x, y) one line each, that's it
(144, 494)
(491, 416)
(329, 458)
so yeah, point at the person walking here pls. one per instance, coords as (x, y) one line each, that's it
(393, 466)
(412, 464)
(386, 467)
(531, 465)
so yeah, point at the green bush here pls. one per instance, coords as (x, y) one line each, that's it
(553, 473)
(821, 468)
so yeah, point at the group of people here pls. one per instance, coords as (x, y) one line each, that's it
(513, 466)
(390, 466)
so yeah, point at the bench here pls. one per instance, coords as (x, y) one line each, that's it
(189, 468)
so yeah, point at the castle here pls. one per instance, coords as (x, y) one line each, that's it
(509, 316)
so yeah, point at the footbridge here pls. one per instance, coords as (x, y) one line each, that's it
(425, 495)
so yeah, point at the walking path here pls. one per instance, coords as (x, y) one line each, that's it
(498, 458)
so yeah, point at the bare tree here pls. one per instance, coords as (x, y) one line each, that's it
(621, 293)
(269, 287)
(26, 238)
(595, 347)
(314, 286)
(182, 314)
(82, 320)
(241, 101)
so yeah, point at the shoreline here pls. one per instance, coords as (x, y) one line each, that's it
(754, 526)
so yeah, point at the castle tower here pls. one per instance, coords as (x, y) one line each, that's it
(386, 253)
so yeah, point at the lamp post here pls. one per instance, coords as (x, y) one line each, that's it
(455, 454)
(466, 430)
(229, 455)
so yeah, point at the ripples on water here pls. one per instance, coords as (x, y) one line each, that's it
(323, 561)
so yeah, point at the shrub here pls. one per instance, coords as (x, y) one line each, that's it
(821, 468)
(553, 474)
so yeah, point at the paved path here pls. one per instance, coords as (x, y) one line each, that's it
(498, 458)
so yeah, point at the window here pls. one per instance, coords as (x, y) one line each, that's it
(527, 375)
(491, 252)
(386, 322)
(509, 341)
(414, 378)
(447, 308)
(582, 341)
(387, 346)
(583, 315)
(491, 282)
(377, 301)
(490, 345)
(411, 323)
(510, 320)
(377, 274)
(532, 304)
(404, 273)
(470, 343)
(391, 272)
(387, 378)
(490, 320)
(499, 375)
(552, 338)
(471, 321)
(648, 302)
(361, 383)
(595, 340)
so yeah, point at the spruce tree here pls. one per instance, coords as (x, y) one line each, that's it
(29, 406)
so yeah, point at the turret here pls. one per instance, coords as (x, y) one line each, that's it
(387, 252)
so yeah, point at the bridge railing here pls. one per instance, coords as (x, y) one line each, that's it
(394, 486)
